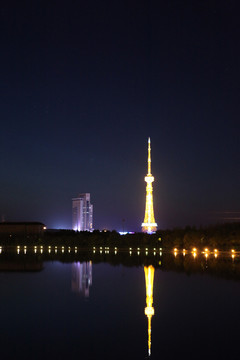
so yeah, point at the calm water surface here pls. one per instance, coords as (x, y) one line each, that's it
(97, 311)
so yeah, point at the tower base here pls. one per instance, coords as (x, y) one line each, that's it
(149, 228)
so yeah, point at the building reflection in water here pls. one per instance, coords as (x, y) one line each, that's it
(82, 277)
(149, 310)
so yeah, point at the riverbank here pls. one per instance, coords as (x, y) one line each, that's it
(223, 236)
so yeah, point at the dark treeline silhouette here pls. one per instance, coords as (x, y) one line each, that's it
(222, 236)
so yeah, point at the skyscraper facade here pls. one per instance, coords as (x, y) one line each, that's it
(82, 213)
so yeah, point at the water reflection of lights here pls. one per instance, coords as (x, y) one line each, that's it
(82, 277)
(206, 253)
(194, 252)
(149, 309)
(146, 251)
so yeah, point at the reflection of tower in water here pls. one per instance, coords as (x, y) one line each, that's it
(149, 310)
(82, 277)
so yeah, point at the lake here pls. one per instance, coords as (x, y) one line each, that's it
(62, 303)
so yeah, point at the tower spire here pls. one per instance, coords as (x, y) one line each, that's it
(149, 156)
(149, 225)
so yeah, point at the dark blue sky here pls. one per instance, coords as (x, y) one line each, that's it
(83, 85)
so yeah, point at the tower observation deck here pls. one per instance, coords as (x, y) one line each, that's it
(149, 225)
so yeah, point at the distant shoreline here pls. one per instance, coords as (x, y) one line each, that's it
(222, 236)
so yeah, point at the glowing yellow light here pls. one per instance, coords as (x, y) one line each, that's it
(233, 251)
(149, 225)
(138, 252)
(160, 253)
(41, 251)
(149, 310)
(0, 250)
(18, 251)
(184, 252)
(100, 251)
(115, 252)
(154, 253)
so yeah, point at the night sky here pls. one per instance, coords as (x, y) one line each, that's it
(83, 85)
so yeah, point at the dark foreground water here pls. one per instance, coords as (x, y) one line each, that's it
(87, 310)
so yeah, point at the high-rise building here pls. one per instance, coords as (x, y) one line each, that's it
(82, 213)
(149, 225)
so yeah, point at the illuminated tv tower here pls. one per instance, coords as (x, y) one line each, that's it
(149, 310)
(149, 226)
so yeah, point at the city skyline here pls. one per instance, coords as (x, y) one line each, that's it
(84, 85)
